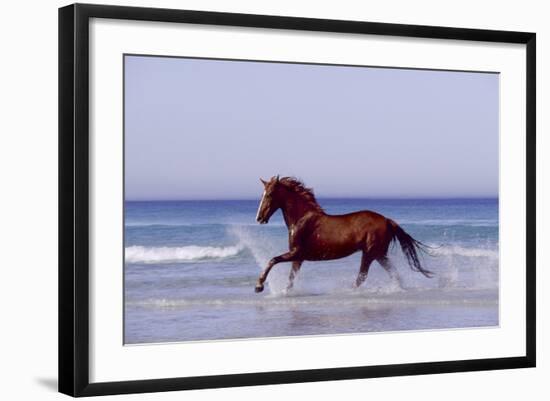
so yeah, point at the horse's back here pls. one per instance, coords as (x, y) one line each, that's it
(361, 219)
(336, 236)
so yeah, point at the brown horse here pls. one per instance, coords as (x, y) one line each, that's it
(315, 235)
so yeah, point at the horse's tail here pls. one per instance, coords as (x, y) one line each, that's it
(410, 246)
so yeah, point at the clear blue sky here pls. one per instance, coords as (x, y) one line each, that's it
(208, 129)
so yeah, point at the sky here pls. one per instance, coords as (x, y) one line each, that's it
(209, 129)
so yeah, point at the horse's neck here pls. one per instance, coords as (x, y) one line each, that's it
(294, 210)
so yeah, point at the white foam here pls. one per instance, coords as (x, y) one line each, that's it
(455, 250)
(134, 254)
(345, 298)
(452, 222)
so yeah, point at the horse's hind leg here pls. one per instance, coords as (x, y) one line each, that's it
(390, 268)
(366, 261)
(293, 272)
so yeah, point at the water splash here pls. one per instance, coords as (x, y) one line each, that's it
(263, 247)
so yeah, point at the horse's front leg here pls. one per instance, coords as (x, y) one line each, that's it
(285, 257)
(293, 272)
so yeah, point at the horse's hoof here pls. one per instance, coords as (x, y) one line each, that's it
(259, 288)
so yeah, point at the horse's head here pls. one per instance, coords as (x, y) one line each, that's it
(270, 200)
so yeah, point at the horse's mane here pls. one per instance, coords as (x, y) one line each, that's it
(295, 185)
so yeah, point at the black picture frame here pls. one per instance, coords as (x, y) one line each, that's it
(74, 198)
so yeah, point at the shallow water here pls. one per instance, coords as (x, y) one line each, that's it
(191, 267)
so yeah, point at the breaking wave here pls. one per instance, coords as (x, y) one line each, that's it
(456, 250)
(135, 254)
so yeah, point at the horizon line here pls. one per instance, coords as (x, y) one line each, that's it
(320, 198)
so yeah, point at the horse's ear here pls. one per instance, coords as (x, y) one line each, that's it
(263, 182)
(277, 179)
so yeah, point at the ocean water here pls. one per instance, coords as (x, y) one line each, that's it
(191, 266)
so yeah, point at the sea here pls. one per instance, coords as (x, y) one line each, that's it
(191, 266)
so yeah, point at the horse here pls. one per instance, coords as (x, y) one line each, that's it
(314, 235)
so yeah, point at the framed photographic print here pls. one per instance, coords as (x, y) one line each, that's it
(250, 199)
